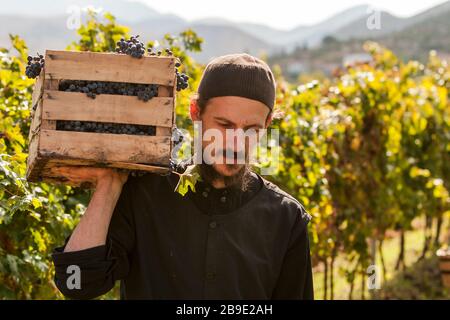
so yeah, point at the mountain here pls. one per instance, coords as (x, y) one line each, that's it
(218, 38)
(417, 40)
(413, 42)
(143, 19)
(130, 11)
(40, 33)
(43, 29)
(43, 25)
(313, 35)
(221, 40)
(304, 35)
(389, 23)
(256, 30)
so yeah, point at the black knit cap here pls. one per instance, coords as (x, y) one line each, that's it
(240, 75)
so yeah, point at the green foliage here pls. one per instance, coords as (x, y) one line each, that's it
(97, 35)
(34, 217)
(419, 281)
(367, 152)
(188, 179)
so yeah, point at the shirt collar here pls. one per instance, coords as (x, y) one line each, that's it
(218, 201)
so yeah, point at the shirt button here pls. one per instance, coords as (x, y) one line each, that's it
(212, 224)
(205, 194)
(223, 199)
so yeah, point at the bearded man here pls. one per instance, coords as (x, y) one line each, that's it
(237, 236)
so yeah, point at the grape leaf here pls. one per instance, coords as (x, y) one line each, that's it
(188, 179)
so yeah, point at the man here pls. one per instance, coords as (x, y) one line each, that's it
(237, 236)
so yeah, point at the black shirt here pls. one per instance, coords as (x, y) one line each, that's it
(211, 244)
(222, 201)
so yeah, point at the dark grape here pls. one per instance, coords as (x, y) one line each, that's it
(144, 92)
(34, 66)
(169, 52)
(182, 81)
(132, 47)
(104, 127)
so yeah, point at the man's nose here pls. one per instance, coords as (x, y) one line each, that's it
(237, 142)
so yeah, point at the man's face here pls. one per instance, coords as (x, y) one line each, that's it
(231, 113)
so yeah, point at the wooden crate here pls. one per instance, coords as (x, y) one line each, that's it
(50, 147)
(444, 266)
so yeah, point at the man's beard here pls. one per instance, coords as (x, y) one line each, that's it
(239, 181)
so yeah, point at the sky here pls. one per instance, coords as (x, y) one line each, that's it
(281, 14)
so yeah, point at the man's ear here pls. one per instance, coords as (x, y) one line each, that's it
(194, 110)
(269, 119)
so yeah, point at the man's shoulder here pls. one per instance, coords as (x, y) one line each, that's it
(148, 181)
(278, 197)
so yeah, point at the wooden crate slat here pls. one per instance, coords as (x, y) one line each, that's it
(163, 131)
(59, 105)
(48, 124)
(122, 165)
(32, 150)
(165, 91)
(49, 84)
(35, 163)
(65, 181)
(52, 177)
(174, 94)
(73, 65)
(37, 89)
(35, 122)
(105, 147)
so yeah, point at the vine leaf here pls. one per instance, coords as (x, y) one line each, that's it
(188, 179)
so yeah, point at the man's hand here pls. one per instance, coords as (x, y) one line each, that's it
(92, 175)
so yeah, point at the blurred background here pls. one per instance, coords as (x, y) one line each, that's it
(363, 89)
(301, 38)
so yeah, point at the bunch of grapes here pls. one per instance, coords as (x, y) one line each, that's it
(105, 127)
(147, 92)
(143, 91)
(182, 78)
(34, 66)
(159, 53)
(132, 47)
